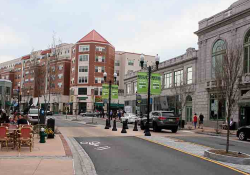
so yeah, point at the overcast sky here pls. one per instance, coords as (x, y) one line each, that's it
(165, 27)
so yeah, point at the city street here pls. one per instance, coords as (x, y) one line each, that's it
(113, 152)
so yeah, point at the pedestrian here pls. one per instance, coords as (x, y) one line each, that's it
(201, 118)
(195, 120)
(111, 113)
(119, 115)
(21, 120)
(103, 113)
(5, 119)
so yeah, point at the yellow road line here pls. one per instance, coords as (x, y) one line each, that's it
(201, 157)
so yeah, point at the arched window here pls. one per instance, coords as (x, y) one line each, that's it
(218, 51)
(246, 52)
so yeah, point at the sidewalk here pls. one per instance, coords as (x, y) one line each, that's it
(52, 157)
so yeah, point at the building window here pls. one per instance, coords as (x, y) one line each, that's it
(219, 49)
(102, 69)
(60, 76)
(32, 79)
(83, 68)
(96, 68)
(96, 91)
(117, 82)
(128, 88)
(135, 87)
(189, 75)
(84, 57)
(100, 49)
(96, 80)
(178, 77)
(83, 80)
(99, 80)
(117, 63)
(131, 62)
(100, 59)
(82, 91)
(168, 80)
(100, 91)
(247, 53)
(217, 107)
(59, 85)
(84, 48)
(72, 69)
(7, 90)
(60, 67)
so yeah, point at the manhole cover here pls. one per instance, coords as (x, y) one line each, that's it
(224, 144)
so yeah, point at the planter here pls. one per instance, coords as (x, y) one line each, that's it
(228, 159)
(51, 136)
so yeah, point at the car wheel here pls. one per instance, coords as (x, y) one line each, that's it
(242, 136)
(174, 130)
(142, 126)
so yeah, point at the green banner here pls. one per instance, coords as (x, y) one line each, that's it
(142, 83)
(105, 91)
(114, 91)
(155, 84)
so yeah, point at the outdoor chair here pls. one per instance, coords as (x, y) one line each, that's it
(5, 124)
(4, 137)
(25, 137)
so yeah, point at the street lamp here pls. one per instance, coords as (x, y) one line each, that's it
(150, 69)
(110, 82)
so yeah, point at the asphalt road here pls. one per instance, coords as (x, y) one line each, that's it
(65, 123)
(131, 155)
(218, 143)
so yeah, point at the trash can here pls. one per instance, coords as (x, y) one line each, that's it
(181, 123)
(51, 124)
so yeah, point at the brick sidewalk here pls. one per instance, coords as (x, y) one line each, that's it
(52, 157)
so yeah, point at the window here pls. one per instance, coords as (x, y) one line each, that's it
(117, 63)
(83, 80)
(73, 60)
(82, 91)
(247, 53)
(189, 75)
(135, 87)
(72, 81)
(99, 80)
(84, 57)
(26, 80)
(218, 52)
(83, 48)
(60, 76)
(178, 78)
(100, 49)
(102, 69)
(117, 82)
(96, 80)
(59, 85)
(130, 62)
(32, 79)
(100, 59)
(53, 68)
(72, 69)
(83, 68)
(96, 68)
(128, 88)
(96, 91)
(168, 80)
(217, 107)
(117, 72)
(7, 90)
(60, 67)
(100, 91)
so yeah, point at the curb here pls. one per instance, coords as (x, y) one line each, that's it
(228, 159)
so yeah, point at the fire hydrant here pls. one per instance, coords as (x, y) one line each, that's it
(42, 136)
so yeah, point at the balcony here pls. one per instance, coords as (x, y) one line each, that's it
(214, 84)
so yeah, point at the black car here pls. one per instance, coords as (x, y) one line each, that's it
(243, 133)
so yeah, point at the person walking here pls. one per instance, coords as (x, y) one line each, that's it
(201, 118)
(195, 120)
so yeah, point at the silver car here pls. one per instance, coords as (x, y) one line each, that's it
(159, 120)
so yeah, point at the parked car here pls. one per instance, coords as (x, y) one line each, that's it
(140, 118)
(243, 133)
(90, 114)
(130, 117)
(33, 116)
(159, 120)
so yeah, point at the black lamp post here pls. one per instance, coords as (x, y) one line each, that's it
(110, 83)
(150, 69)
(18, 97)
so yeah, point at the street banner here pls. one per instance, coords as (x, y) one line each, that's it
(155, 84)
(114, 91)
(142, 83)
(105, 91)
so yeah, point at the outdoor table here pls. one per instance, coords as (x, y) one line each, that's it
(12, 130)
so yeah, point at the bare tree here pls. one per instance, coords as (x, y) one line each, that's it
(228, 70)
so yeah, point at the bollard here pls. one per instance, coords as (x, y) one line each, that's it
(107, 124)
(124, 127)
(126, 124)
(42, 136)
(135, 127)
(114, 126)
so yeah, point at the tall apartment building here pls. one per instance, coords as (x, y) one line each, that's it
(91, 57)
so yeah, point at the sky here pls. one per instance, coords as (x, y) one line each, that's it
(164, 27)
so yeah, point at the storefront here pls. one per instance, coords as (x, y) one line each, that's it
(217, 107)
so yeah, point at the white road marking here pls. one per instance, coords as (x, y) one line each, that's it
(96, 144)
(102, 148)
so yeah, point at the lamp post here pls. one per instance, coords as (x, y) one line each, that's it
(18, 97)
(110, 83)
(150, 69)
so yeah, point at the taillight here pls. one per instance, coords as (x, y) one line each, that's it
(161, 118)
(177, 119)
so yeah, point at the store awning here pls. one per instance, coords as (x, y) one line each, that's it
(8, 103)
(82, 98)
(116, 105)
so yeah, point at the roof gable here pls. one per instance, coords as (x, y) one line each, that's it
(93, 36)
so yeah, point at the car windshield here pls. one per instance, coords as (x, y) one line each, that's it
(33, 111)
(167, 114)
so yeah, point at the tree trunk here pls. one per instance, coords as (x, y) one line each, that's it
(228, 130)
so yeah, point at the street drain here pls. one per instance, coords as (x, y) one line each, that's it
(224, 144)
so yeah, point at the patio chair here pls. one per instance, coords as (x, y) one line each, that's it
(5, 124)
(4, 136)
(25, 137)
